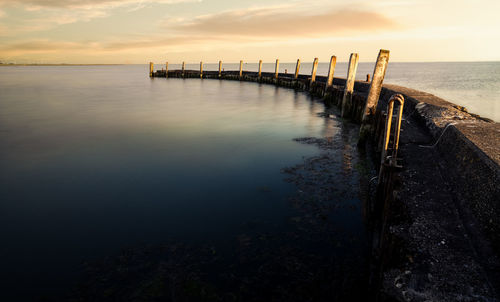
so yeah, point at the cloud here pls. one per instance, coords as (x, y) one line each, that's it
(87, 4)
(48, 20)
(147, 42)
(150, 43)
(395, 3)
(66, 17)
(47, 14)
(252, 27)
(275, 23)
(48, 46)
(41, 46)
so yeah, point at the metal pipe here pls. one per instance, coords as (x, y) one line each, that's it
(387, 133)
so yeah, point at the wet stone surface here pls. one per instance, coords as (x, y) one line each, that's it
(321, 255)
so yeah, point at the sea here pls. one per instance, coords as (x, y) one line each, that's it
(474, 85)
(224, 180)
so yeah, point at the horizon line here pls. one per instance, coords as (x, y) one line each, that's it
(216, 62)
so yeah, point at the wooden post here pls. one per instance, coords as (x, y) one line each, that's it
(349, 85)
(220, 69)
(201, 69)
(260, 69)
(241, 68)
(151, 69)
(368, 77)
(276, 69)
(314, 69)
(373, 95)
(331, 70)
(183, 68)
(297, 68)
(166, 69)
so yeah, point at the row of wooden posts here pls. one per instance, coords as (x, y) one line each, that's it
(352, 63)
(373, 94)
(333, 61)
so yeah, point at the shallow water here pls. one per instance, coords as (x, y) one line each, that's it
(98, 159)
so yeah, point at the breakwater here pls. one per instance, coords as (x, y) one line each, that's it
(435, 214)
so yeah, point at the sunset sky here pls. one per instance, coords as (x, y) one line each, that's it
(139, 31)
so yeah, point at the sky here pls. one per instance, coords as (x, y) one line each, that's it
(139, 31)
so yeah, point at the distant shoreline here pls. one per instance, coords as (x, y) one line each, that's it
(62, 64)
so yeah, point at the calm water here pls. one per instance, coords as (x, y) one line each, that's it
(474, 85)
(97, 159)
